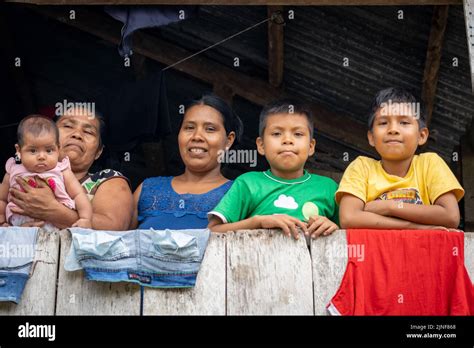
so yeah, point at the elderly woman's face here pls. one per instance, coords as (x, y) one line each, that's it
(79, 140)
(201, 137)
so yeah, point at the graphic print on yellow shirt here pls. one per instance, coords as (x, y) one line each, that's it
(406, 195)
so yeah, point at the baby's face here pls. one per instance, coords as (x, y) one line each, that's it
(39, 153)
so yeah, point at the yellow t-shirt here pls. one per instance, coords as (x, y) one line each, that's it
(428, 178)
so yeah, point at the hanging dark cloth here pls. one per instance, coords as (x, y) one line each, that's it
(136, 112)
(138, 17)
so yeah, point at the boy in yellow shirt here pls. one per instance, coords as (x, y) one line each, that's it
(402, 190)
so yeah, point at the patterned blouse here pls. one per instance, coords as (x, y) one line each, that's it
(92, 181)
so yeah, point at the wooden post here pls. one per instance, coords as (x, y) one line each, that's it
(433, 58)
(275, 48)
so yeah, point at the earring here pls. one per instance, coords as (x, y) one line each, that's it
(17, 158)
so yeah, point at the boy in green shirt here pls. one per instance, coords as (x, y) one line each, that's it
(286, 196)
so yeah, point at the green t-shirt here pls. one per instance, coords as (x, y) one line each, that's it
(262, 193)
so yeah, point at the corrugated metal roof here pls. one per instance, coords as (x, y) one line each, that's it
(382, 49)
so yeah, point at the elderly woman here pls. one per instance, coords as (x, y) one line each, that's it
(109, 191)
(208, 128)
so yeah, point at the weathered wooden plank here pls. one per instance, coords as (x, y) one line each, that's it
(243, 2)
(40, 291)
(268, 273)
(433, 58)
(275, 46)
(208, 297)
(469, 253)
(329, 261)
(78, 296)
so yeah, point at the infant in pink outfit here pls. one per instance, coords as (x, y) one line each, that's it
(38, 150)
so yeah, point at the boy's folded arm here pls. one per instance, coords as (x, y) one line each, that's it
(444, 211)
(352, 215)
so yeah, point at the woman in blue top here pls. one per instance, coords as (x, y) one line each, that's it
(209, 127)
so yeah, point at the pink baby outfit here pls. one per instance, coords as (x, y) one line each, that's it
(54, 177)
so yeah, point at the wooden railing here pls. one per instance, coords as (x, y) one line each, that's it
(243, 273)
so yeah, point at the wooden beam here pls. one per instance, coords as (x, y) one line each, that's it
(244, 2)
(341, 129)
(275, 46)
(433, 58)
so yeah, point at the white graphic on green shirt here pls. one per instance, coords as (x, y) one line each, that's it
(309, 210)
(286, 202)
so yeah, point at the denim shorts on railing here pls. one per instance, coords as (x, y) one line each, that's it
(154, 258)
(17, 251)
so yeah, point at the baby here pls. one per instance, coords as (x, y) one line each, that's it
(37, 157)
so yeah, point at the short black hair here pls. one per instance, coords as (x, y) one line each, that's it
(232, 122)
(285, 106)
(394, 95)
(36, 125)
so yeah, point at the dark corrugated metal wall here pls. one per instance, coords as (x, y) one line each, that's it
(382, 49)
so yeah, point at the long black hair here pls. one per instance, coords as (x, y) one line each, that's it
(232, 122)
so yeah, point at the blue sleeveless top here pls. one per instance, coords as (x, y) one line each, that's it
(160, 207)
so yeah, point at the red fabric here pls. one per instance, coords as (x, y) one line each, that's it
(33, 183)
(405, 272)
